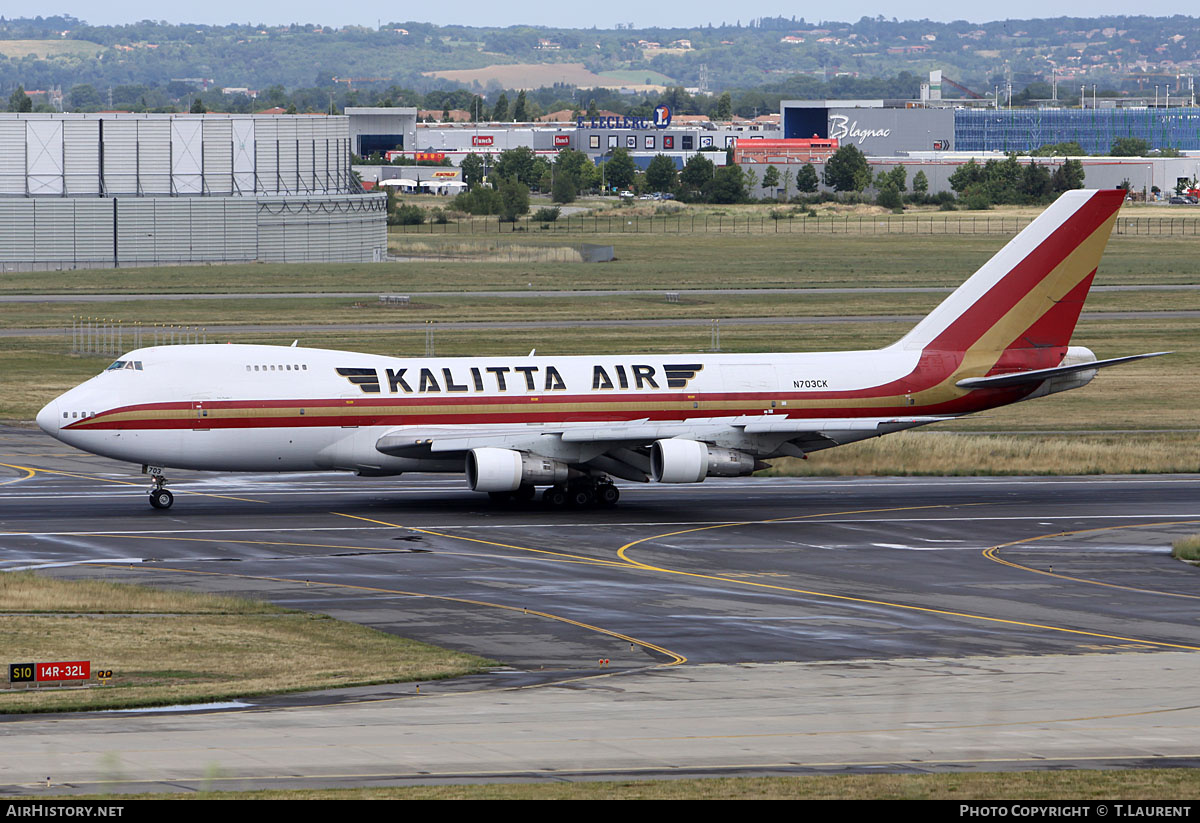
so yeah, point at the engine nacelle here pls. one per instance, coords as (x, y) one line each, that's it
(505, 470)
(690, 461)
(1075, 356)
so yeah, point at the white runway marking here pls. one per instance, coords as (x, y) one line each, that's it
(799, 520)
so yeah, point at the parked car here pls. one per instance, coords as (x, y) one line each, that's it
(1182, 200)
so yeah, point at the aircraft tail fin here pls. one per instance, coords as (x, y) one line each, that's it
(1026, 300)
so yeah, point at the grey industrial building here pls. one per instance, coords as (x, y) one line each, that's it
(118, 189)
(930, 135)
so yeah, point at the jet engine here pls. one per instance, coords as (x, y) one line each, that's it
(690, 461)
(505, 470)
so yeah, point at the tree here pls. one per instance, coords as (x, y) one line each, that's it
(920, 183)
(696, 172)
(787, 182)
(520, 110)
(518, 164)
(198, 106)
(724, 108)
(847, 169)
(806, 179)
(19, 101)
(514, 200)
(750, 178)
(577, 166)
(563, 189)
(592, 111)
(771, 179)
(500, 110)
(1067, 176)
(84, 97)
(472, 170)
(728, 185)
(1129, 147)
(897, 179)
(1035, 183)
(1068, 149)
(620, 170)
(965, 176)
(661, 174)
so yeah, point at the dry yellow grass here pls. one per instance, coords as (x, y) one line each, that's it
(170, 647)
(488, 251)
(16, 49)
(1130, 785)
(1187, 548)
(24, 592)
(944, 453)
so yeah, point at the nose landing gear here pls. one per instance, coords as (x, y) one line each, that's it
(160, 498)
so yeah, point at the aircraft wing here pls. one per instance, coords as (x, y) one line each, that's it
(751, 432)
(1001, 381)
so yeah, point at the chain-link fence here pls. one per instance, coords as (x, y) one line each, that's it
(940, 223)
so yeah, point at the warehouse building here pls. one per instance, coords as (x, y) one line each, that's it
(118, 189)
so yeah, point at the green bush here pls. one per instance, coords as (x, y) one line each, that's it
(408, 215)
(546, 215)
(889, 198)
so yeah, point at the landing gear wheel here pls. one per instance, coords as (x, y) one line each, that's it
(580, 497)
(607, 495)
(555, 497)
(161, 499)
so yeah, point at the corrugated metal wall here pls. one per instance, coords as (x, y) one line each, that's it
(64, 232)
(132, 189)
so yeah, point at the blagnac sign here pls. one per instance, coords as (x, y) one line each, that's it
(840, 128)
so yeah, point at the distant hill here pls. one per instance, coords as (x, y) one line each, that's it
(139, 62)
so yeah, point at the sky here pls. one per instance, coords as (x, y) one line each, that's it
(568, 15)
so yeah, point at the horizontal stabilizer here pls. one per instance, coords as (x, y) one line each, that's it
(1002, 381)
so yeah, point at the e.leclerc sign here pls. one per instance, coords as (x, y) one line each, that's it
(660, 120)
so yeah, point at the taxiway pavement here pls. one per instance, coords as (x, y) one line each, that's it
(751, 625)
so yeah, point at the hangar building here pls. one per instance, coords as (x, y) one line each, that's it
(117, 189)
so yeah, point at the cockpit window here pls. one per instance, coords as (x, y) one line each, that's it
(125, 364)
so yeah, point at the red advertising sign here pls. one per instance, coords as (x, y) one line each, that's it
(432, 156)
(482, 139)
(562, 139)
(75, 670)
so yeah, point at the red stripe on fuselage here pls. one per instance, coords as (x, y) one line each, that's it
(543, 411)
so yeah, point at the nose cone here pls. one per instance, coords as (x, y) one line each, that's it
(48, 419)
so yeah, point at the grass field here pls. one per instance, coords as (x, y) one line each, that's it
(537, 75)
(16, 49)
(652, 262)
(197, 311)
(1129, 785)
(168, 647)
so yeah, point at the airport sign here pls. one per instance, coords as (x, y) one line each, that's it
(73, 670)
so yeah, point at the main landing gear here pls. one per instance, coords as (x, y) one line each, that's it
(578, 494)
(581, 495)
(160, 498)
